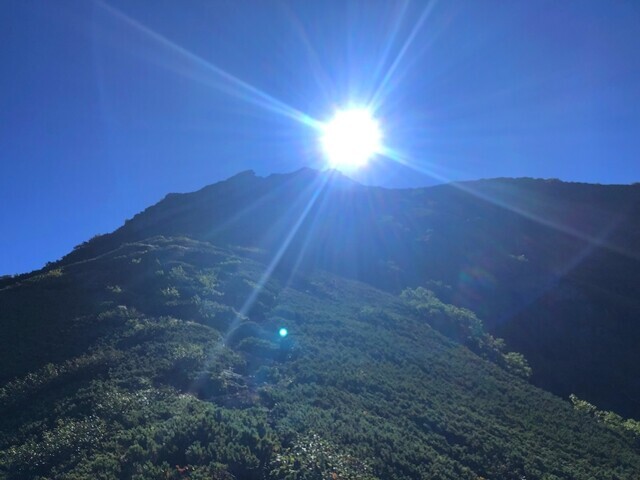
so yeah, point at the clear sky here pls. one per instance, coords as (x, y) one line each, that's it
(107, 106)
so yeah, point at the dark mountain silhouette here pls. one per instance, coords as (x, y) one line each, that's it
(552, 267)
(153, 351)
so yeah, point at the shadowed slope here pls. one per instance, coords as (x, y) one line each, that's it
(553, 267)
(139, 367)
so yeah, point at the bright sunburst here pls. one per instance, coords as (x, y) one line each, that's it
(351, 138)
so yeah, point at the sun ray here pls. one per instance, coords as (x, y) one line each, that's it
(311, 231)
(316, 188)
(380, 91)
(599, 240)
(391, 39)
(319, 73)
(221, 79)
(245, 211)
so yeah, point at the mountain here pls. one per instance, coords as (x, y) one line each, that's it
(552, 267)
(154, 351)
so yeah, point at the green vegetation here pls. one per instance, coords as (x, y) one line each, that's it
(610, 419)
(551, 267)
(464, 326)
(138, 364)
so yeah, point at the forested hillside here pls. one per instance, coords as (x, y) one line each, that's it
(552, 267)
(161, 358)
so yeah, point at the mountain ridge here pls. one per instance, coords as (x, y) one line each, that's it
(515, 251)
(146, 367)
(395, 302)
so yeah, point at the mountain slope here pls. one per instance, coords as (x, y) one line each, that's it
(161, 359)
(552, 267)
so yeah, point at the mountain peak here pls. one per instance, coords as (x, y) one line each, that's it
(242, 175)
(307, 174)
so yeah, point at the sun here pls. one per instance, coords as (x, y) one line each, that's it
(351, 138)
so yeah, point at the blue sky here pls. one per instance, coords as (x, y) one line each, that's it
(107, 106)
